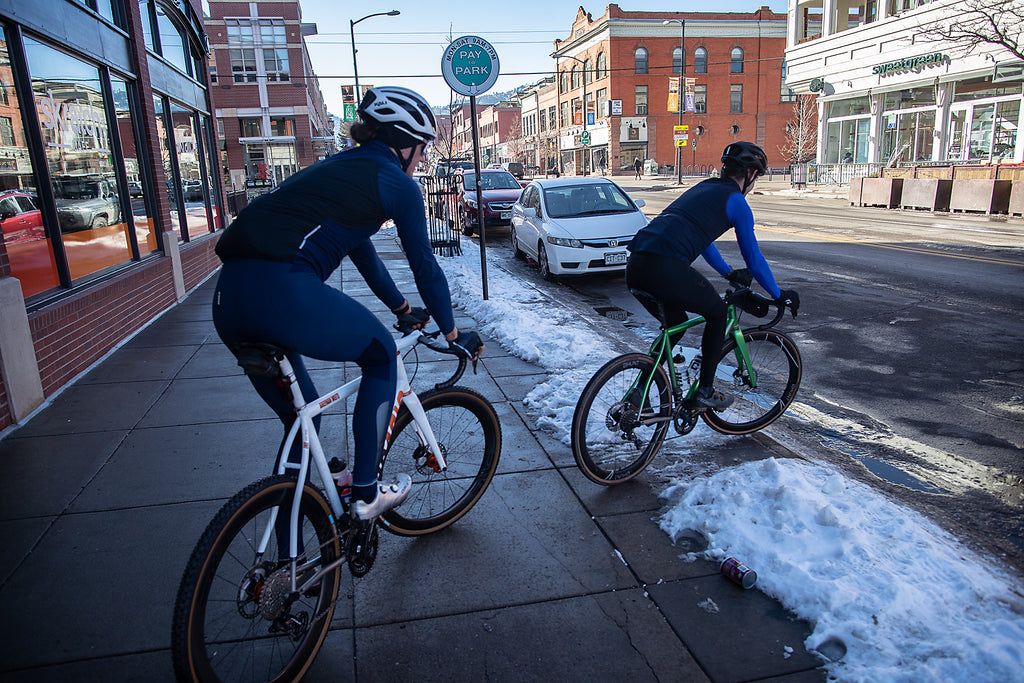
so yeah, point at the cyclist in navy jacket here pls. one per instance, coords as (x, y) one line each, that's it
(662, 253)
(281, 249)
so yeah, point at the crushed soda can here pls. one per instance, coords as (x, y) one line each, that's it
(739, 573)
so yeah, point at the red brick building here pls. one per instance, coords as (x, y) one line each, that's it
(626, 60)
(270, 113)
(110, 197)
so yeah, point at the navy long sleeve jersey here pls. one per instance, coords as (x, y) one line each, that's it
(330, 210)
(689, 226)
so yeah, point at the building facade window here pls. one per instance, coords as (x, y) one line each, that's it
(736, 61)
(169, 163)
(281, 126)
(72, 115)
(563, 82)
(275, 61)
(588, 72)
(700, 61)
(641, 100)
(188, 151)
(575, 78)
(736, 98)
(602, 102)
(786, 94)
(640, 61)
(602, 65)
(243, 64)
(563, 113)
(134, 166)
(173, 45)
(677, 60)
(700, 99)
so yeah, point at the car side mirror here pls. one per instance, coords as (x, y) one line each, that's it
(7, 213)
(529, 212)
(639, 203)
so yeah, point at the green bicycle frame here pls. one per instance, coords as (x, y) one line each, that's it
(661, 351)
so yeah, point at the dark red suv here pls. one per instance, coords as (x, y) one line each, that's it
(500, 191)
(20, 217)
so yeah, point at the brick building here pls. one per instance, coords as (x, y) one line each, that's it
(270, 113)
(626, 60)
(109, 192)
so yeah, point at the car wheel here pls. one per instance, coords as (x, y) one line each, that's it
(545, 266)
(99, 222)
(516, 251)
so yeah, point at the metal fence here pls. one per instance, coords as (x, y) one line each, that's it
(831, 174)
(444, 219)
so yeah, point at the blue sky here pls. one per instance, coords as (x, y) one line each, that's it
(406, 49)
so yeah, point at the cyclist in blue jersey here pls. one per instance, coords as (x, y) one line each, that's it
(282, 247)
(662, 253)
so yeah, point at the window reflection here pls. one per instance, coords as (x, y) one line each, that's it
(186, 144)
(145, 233)
(77, 140)
(172, 44)
(28, 248)
(167, 161)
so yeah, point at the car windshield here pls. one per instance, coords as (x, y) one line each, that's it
(492, 181)
(568, 201)
(76, 188)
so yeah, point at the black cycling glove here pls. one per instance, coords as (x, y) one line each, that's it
(790, 299)
(740, 276)
(468, 344)
(413, 319)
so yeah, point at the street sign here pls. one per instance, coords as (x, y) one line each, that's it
(470, 65)
(680, 143)
(585, 137)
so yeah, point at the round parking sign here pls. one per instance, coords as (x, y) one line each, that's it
(470, 65)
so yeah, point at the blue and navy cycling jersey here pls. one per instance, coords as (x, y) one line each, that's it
(689, 226)
(330, 210)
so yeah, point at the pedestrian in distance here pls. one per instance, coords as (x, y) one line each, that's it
(604, 165)
(662, 254)
(638, 167)
(280, 250)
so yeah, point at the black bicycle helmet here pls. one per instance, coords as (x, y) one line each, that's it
(746, 155)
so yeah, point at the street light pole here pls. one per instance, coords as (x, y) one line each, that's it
(679, 95)
(585, 147)
(352, 34)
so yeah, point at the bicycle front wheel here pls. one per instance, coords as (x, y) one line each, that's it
(235, 618)
(469, 434)
(776, 367)
(616, 431)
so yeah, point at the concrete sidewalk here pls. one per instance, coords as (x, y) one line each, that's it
(106, 490)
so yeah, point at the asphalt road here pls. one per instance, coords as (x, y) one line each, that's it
(911, 335)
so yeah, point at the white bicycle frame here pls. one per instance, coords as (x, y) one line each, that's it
(311, 440)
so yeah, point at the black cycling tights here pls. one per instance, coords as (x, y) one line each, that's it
(680, 288)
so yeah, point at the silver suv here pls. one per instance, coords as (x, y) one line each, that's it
(86, 202)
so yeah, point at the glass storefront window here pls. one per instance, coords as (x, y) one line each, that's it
(981, 88)
(25, 239)
(213, 182)
(908, 136)
(186, 144)
(1004, 138)
(850, 107)
(145, 231)
(173, 46)
(909, 99)
(72, 117)
(168, 163)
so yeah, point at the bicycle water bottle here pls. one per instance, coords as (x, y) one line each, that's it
(342, 476)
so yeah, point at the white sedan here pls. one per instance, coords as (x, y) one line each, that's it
(572, 226)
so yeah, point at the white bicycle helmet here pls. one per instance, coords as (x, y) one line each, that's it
(403, 116)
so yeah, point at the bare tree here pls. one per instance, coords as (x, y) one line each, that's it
(977, 23)
(801, 143)
(515, 146)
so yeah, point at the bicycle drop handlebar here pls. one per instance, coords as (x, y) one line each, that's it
(427, 339)
(736, 296)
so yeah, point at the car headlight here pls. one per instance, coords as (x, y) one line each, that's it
(565, 242)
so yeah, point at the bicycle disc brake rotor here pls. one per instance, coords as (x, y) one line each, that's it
(251, 588)
(426, 462)
(621, 416)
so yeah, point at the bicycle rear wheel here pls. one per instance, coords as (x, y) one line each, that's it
(234, 618)
(776, 364)
(609, 441)
(469, 434)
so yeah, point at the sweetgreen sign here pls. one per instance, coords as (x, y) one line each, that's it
(909, 64)
(470, 65)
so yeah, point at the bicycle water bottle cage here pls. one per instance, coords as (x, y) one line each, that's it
(259, 360)
(651, 303)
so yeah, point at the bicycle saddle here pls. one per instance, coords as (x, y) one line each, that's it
(259, 359)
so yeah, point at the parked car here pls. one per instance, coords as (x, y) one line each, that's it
(571, 226)
(20, 218)
(134, 188)
(192, 190)
(499, 190)
(85, 202)
(515, 168)
(447, 167)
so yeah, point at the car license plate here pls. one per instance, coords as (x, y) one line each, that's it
(505, 215)
(615, 259)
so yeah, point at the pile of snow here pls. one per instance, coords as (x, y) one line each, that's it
(905, 599)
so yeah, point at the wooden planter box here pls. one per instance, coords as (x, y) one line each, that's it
(1017, 198)
(881, 192)
(987, 196)
(926, 193)
(855, 191)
